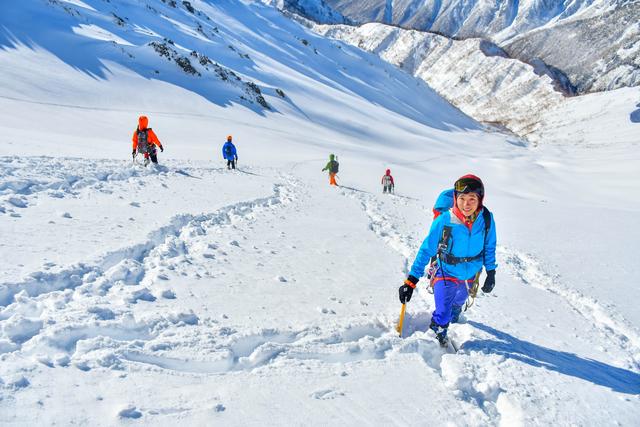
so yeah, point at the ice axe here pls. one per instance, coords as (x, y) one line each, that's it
(401, 320)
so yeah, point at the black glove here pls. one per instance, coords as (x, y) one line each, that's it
(133, 153)
(162, 148)
(489, 281)
(405, 291)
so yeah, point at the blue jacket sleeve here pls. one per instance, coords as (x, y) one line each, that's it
(428, 248)
(490, 248)
(223, 156)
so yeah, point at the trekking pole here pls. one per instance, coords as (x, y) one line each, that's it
(401, 320)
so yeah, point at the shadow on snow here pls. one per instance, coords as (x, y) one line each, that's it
(599, 373)
(635, 116)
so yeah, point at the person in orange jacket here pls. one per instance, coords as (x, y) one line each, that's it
(145, 141)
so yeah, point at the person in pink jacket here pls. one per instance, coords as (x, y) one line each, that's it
(387, 182)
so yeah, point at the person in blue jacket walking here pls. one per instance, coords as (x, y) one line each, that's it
(229, 153)
(463, 238)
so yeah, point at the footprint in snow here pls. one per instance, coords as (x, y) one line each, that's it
(168, 294)
(141, 295)
(19, 382)
(102, 313)
(17, 202)
(62, 360)
(326, 394)
(131, 412)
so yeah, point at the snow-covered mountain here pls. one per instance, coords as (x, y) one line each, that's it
(478, 77)
(489, 82)
(595, 43)
(598, 49)
(189, 294)
(473, 74)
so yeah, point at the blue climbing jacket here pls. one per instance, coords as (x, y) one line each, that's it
(229, 151)
(462, 243)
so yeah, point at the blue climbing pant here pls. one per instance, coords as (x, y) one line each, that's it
(449, 292)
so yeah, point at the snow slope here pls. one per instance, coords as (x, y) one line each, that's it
(190, 294)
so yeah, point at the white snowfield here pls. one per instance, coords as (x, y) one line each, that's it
(188, 294)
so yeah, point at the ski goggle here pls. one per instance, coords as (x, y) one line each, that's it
(469, 185)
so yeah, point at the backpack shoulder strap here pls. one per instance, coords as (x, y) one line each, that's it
(443, 244)
(486, 215)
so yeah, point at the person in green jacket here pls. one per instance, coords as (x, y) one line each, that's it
(332, 167)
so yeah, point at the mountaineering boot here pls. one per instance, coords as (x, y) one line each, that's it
(455, 313)
(441, 333)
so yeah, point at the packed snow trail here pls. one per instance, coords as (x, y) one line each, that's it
(164, 305)
(233, 296)
(477, 381)
(524, 267)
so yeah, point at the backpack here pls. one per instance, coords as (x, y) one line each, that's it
(333, 166)
(228, 151)
(386, 180)
(143, 140)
